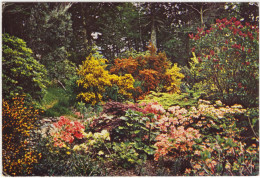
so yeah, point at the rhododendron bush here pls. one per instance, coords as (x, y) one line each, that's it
(227, 60)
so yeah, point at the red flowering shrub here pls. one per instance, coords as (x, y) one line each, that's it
(67, 131)
(227, 58)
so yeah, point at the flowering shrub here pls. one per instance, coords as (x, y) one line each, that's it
(170, 99)
(17, 125)
(94, 80)
(67, 131)
(173, 80)
(227, 60)
(94, 144)
(210, 138)
(151, 70)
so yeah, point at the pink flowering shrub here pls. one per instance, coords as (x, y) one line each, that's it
(210, 136)
(66, 132)
(153, 107)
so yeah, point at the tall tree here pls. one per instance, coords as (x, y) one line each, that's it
(84, 24)
(49, 33)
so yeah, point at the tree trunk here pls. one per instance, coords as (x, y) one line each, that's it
(153, 34)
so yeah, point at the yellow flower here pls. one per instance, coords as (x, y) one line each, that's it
(100, 153)
(68, 153)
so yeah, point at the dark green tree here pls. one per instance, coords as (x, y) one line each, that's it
(49, 35)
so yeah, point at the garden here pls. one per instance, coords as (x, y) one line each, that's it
(130, 98)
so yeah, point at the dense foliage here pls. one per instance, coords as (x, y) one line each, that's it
(227, 58)
(151, 71)
(187, 106)
(94, 80)
(22, 74)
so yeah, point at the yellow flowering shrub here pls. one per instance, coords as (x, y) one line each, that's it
(94, 78)
(18, 122)
(124, 83)
(174, 78)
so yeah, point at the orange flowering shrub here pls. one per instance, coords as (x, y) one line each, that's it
(150, 78)
(151, 70)
(18, 123)
(125, 66)
(67, 131)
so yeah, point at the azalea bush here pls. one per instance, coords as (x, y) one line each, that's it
(67, 132)
(94, 81)
(227, 60)
(210, 137)
(151, 72)
(76, 152)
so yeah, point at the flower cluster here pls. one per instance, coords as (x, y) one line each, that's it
(153, 107)
(66, 132)
(18, 123)
(179, 127)
(94, 79)
(93, 143)
(230, 66)
(151, 70)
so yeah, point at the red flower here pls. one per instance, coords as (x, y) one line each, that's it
(212, 52)
(199, 59)
(249, 50)
(207, 31)
(226, 41)
(233, 19)
(239, 85)
(197, 37)
(199, 29)
(235, 31)
(218, 21)
(193, 49)
(224, 20)
(247, 63)
(247, 24)
(237, 23)
(209, 57)
(78, 135)
(191, 36)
